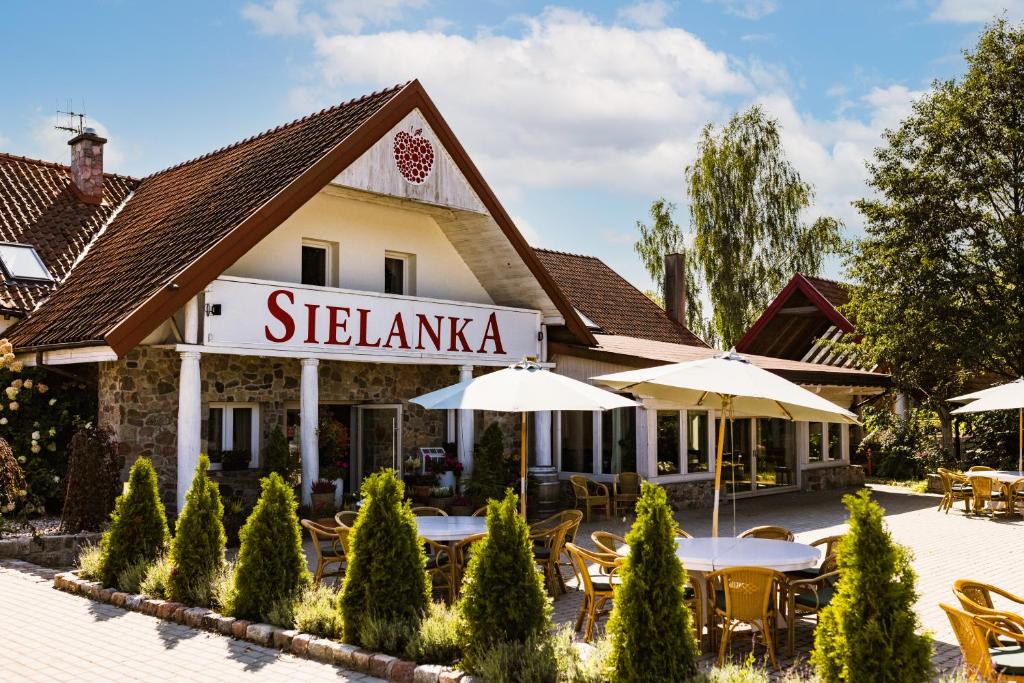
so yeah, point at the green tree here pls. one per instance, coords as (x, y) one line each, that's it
(490, 470)
(941, 266)
(869, 631)
(276, 455)
(664, 237)
(386, 576)
(503, 598)
(271, 568)
(650, 627)
(93, 481)
(197, 552)
(746, 206)
(138, 525)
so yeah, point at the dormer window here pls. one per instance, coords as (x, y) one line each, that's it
(21, 262)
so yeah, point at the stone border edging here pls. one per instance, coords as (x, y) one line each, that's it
(295, 642)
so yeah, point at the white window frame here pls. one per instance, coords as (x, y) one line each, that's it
(331, 276)
(408, 271)
(598, 444)
(649, 414)
(227, 435)
(825, 461)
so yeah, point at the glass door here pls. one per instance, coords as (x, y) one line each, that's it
(775, 453)
(737, 456)
(380, 439)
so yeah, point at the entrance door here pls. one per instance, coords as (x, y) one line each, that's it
(775, 454)
(737, 457)
(380, 438)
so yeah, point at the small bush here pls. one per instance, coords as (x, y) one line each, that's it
(131, 577)
(316, 613)
(277, 457)
(531, 661)
(93, 480)
(390, 636)
(869, 631)
(271, 565)
(138, 526)
(650, 627)
(197, 551)
(90, 562)
(12, 479)
(282, 612)
(223, 588)
(580, 663)
(438, 640)
(490, 475)
(503, 599)
(385, 577)
(154, 585)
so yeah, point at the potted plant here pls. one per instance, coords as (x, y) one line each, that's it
(323, 498)
(335, 445)
(447, 470)
(234, 460)
(462, 506)
(420, 485)
(440, 497)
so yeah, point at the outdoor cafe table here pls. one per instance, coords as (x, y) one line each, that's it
(450, 529)
(1003, 477)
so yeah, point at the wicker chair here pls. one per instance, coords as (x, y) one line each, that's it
(329, 549)
(776, 533)
(1014, 491)
(955, 486)
(625, 492)
(985, 490)
(346, 518)
(607, 542)
(427, 511)
(581, 489)
(809, 596)
(680, 533)
(830, 543)
(974, 633)
(976, 597)
(981, 468)
(480, 512)
(459, 555)
(746, 595)
(548, 538)
(598, 572)
(440, 567)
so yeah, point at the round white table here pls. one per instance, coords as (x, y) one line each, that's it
(710, 554)
(448, 529)
(1004, 476)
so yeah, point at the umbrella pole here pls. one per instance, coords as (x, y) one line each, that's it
(522, 466)
(718, 467)
(1020, 440)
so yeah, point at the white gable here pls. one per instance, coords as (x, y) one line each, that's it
(410, 163)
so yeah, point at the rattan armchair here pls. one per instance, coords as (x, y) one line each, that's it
(746, 595)
(549, 537)
(976, 597)
(427, 511)
(346, 518)
(459, 555)
(328, 548)
(955, 486)
(809, 596)
(1014, 492)
(776, 533)
(985, 492)
(598, 573)
(829, 545)
(607, 542)
(480, 512)
(441, 569)
(590, 494)
(975, 633)
(626, 491)
(680, 533)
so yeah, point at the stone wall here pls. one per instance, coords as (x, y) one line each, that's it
(829, 478)
(138, 399)
(57, 550)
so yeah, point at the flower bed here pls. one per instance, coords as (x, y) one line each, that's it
(297, 643)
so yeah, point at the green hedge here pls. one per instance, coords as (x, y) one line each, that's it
(138, 525)
(197, 551)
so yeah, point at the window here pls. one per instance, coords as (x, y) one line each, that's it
(668, 442)
(232, 435)
(319, 263)
(835, 441)
(618, 441)
(399, 273)
(577, 431)
(21, 262)
(698, 446)
(814, 441)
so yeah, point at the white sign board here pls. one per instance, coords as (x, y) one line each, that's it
(302, 320)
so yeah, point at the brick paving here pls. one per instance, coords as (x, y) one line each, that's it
(53, 636)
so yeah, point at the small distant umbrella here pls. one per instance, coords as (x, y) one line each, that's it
(1009, 396)
(522, 388)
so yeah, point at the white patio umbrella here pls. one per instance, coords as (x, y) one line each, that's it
(737, 386)
(522, 388)
(1007, 396)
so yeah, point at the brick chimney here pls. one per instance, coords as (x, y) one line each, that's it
(674, 288)
(87, 166)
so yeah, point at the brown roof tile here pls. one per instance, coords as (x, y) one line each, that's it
(837, 293)
(38, 207)
(610, 301)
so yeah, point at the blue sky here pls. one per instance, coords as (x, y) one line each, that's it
(578, 114)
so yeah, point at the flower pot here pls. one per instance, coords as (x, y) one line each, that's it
(418, 491)
(323, 503)
(447, 479)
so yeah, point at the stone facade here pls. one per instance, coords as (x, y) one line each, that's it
(828, 478)
(138, 400)
(56, 550)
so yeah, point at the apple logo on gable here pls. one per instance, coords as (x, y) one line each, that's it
(414, 155)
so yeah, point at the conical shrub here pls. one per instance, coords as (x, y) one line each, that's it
(869, 631)
(197, 552)
(503, 598)
(385, 578)
(271, 568)
(93, 479)
(650, 627)
(138, 525)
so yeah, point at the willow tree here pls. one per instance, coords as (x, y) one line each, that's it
(747, 203)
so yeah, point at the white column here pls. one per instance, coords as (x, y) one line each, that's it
(192, 321)
(465, 426)
(189, 421)
(309, 412)
(542, 437)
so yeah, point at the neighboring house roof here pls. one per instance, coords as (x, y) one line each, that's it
(628, 350)
(608, 300)
(185, 225)
(38, 207)
(804, 313)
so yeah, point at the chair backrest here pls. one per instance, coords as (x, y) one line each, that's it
(982, 487)
(829, 564)
(607, 542)
(748, 590)
(974, 596)
(973, 642)
(982, 468)
(778, 533)
(480, 512)
(320, 534)
(342, 533)
(947, 480)
(346, 518)
(608, 562)
(460, 548)
(427, 511)
(830, 543)
(579, 486)
(682, 534)
(573, 518)
(629, 483)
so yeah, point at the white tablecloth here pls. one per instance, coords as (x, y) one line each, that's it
(1004, 476)
(447, 529)
(710, 554)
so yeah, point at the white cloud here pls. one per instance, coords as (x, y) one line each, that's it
(526, 229)
(290, 17)
(747, 9)
(650, 14)
(977, 11)
(50, 144)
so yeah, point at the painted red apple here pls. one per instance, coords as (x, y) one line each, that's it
(414, 155)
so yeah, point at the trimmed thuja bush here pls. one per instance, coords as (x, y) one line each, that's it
(490, 470)
(197, 551)
(271, 568)
(869, 631)
(138, 525)
(650, 629)
(93, 480)
(503, 600)
(385, 579)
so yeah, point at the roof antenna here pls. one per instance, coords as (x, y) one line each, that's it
(73, 123)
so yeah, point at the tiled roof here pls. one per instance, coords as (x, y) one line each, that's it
(837, 293)
(610, 301)
(38, 207)
(177, 215)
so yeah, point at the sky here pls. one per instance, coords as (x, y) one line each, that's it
(578, 114)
